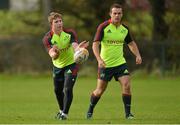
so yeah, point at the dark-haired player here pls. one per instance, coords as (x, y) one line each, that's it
(111, 35)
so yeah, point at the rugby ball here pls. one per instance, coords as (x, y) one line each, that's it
(81, 55)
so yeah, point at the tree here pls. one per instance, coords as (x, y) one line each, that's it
(46, 9)
(161, 29)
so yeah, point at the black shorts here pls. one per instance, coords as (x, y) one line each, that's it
(106, 74)
(60, 74)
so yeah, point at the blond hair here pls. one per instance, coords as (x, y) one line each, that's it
(53, 15)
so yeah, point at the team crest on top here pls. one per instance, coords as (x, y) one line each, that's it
(109, 31)
(123, 31)
(55, 42)
(66, 37)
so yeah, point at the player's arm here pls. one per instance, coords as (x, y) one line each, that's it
(52, 50)
(96, 52)
(98, 37)
(134, 49)
(46, 42)
(74, 40)
(83, 44)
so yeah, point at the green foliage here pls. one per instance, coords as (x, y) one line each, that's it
(173, 20)
(20, 23)
(140, 24)
(78, 25)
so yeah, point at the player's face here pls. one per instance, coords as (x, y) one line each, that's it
(57, 24)
(116, 15)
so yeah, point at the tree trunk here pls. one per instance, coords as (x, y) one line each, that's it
(46, 10)
(160, 28)
(160, 32)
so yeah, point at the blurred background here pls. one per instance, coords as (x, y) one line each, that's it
(154, 24)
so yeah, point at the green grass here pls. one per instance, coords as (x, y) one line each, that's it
(30, 99)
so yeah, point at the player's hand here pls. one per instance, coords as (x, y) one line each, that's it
(54, 52)
(138, 60)
(83, 44)
(56, 49)
(101, 63)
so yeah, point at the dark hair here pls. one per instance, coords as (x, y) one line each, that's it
(115, 5)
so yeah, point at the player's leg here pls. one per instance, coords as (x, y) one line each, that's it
(126, 94)
(122, 75)
(58, 79)
(70, 78)
(104, 75)
(95, 96)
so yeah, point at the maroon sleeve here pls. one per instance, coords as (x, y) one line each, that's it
(100, 31)
(73, 34)
(47, 41)
(128, 37)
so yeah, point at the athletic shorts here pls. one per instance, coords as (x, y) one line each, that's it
(61, 74)
(106, 74)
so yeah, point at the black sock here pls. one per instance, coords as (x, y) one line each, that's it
(127, 103)
(59, 96)
(93, 101)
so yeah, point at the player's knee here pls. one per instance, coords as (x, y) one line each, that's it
(126, 84)
(98, 92)
(68, 91)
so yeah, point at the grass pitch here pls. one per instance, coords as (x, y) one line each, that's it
(30, 99)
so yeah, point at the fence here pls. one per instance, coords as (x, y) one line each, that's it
(29, 55)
